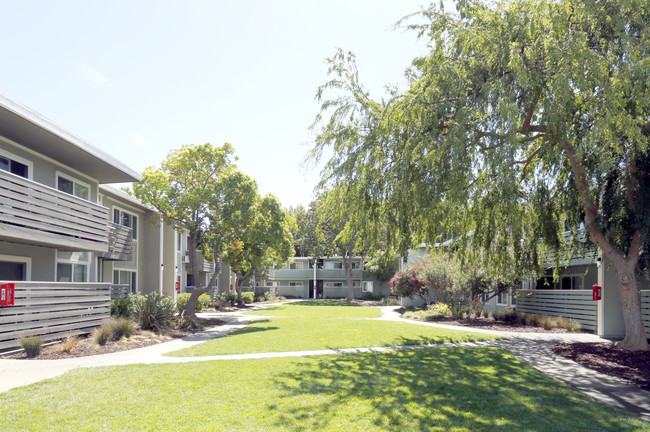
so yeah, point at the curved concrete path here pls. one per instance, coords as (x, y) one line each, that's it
(532, 348)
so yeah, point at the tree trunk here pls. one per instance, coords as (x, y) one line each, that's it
(347, 266)
(635, 335)
(238, 284)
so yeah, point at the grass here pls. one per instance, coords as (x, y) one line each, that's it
(306, 326)
(434, 389)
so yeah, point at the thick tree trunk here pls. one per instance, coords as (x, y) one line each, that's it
(347, 266)
(635, 335)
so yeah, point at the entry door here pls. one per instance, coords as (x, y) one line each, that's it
(13, 271)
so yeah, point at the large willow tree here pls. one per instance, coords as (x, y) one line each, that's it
(525, 118)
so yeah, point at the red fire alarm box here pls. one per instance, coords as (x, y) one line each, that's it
(177, 285)
(7, 294)
(598, 292)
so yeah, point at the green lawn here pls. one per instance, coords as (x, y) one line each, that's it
(310, 325)
(433, 389)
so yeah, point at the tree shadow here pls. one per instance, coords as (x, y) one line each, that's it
(432, 389)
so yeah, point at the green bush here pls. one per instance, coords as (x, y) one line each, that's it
(486, 314)
(228, 297)
(507, 315)
(267, 295)
(390, 301)
(102, 335)
(248, 297)
(153, 311)
(439, 310)
(121, 327)
(32, 345)
(202, 303)
(532, 320)
(121, 307)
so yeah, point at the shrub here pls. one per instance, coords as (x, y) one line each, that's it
(548, 322)
(203, 302)
(32, 345)
(228, 297)
(267, 295)
(439, 310)
(102, 335)
(570, 324)
(391, 301)
(248, 297)
(121, 307)
(181, 301)
(486, 314)
(153, 311)
(68, 344)
(507, 315)
(260, 298)
(532, 320)
(121, 327)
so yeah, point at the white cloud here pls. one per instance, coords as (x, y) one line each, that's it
(88, 73)
(140, 141)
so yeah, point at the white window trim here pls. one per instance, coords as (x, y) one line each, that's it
(73, 180)
(20, 259)
(131, 213)
(558, 285)
(73, 262)
(30, 164)
(130, 271)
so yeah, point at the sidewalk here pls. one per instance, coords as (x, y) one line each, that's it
(532, 348)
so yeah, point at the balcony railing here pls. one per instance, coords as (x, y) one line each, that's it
(32, 213)
(203, 264)
(321, 274)
(120, 243)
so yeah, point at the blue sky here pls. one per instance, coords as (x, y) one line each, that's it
(140, 78)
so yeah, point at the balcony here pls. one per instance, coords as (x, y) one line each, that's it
(35, 214)
(120, 243)
(321, 274)
(204, 265)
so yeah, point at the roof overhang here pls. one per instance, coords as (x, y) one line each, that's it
(36, 132)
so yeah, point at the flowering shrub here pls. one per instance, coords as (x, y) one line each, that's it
(408, 283)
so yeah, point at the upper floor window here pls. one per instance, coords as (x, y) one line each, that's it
(73, 187)
(15, 165)
(333, 265)
(127, 219)
(297, 265)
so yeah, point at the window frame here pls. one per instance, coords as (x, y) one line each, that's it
(12, 157)
(133, 278)
(131, 215)
(22, 260)
(75, 182)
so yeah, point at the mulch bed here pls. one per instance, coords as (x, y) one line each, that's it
(87, 347)
(490, 324)
(630, 366)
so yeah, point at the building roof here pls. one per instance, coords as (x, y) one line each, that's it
(25, 126)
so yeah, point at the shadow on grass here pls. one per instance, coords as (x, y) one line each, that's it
(434, 389)
(312, 303)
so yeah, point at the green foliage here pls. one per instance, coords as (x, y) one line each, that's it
(248, 297)
(571, 325)
(228, 297)
(120, 327)
(390, 301)
(181, 301)
(121, 307)
(524, 117)
(202, 303)
(32, 345)
(102, 335)
(508, 316)
(153, 311)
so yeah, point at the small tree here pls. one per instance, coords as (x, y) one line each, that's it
(184, 192)
(263, 240)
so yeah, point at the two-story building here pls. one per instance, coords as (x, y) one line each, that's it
(68, 242)
(299, 279)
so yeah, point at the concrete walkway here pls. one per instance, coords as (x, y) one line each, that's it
(532, 348)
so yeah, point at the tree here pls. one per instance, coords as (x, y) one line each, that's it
(262, 240)
(191, 183)
(523, 117)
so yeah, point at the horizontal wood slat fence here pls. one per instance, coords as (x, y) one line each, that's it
(645, 310)
(53, 310)
(571, 304)
(43, 215)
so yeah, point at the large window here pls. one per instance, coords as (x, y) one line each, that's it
(127, 219)
(15, 268)
(72, 266)
(297, 265)
(333, 265)
(15, 165)
(125, 277)
(72, 186)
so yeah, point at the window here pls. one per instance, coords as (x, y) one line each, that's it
(71, 272)
(333, 265)
(366, 287)
(15, 165)
(571, 282)
(15, 268)
(72, 266)
(295, 284)
(127, 219)
(125, 277)
(73, 187)
(333, 284)
(356, 265)
(179, 238)
(297, 265)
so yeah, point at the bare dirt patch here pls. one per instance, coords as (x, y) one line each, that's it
(630, 366)
(491, 324)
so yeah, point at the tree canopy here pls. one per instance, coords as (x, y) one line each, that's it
(526, 118)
